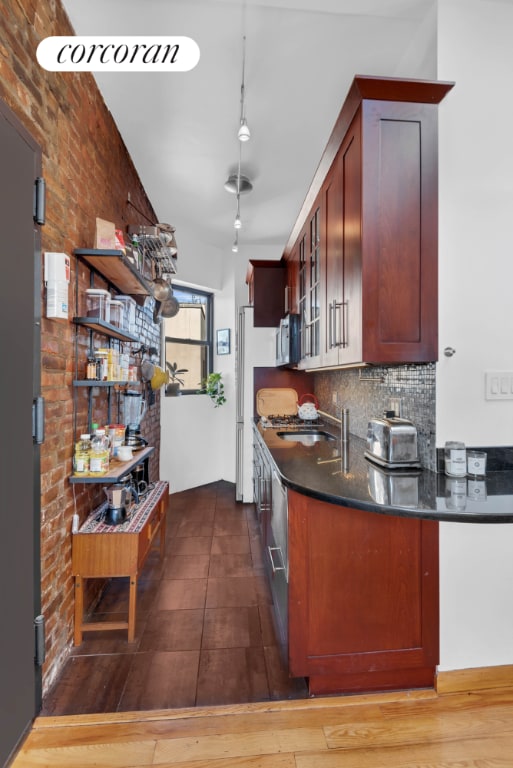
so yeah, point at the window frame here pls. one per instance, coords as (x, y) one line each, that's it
(209, 341)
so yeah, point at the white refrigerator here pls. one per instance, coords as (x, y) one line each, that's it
(255, 347)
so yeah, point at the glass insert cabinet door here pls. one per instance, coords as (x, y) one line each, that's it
(310, 287)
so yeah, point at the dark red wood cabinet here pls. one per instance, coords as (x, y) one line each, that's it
(376, 189)
(266, 282)
(363, 598)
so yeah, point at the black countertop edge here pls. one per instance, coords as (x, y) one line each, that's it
(420, 514)
(319, 472)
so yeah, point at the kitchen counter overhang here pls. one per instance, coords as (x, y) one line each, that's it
(340, 474)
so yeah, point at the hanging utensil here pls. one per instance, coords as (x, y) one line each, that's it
(170, 307)
(147, 370)
(161, 289)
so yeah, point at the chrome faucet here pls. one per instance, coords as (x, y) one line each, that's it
(344, 424)
(343, 421)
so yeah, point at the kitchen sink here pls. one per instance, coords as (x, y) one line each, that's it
(307, 438)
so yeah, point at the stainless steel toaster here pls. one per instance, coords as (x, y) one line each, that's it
(392, 442)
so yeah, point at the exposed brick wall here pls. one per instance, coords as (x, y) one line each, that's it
(88, 174)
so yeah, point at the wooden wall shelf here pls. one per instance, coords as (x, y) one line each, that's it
(116, 269)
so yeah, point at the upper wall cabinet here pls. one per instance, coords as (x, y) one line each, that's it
(267, 282)
(376, 191)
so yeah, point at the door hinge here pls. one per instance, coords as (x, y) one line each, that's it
(40, 200)
(38, 420)
(39, 629)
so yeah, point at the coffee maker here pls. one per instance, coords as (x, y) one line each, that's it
(119, 498)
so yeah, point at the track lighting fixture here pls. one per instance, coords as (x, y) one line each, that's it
(244, 132)
(237, 183)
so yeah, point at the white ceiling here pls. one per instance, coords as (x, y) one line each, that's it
(181, 128)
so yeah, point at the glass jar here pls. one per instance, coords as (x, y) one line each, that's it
(455, 459)
(117, 437)
(91, 369)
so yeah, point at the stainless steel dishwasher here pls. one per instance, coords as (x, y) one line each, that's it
(276, 560)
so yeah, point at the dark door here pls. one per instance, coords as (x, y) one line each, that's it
(20, 286)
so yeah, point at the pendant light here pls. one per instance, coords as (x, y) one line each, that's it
(244, 133)
(237, 183)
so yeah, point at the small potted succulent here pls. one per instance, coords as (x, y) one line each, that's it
(173, 388)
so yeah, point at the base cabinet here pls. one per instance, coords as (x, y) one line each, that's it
(363, 598)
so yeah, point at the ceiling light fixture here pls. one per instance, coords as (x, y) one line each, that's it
(244, 133)
(237, 223)
(238, 184)
(244, 184)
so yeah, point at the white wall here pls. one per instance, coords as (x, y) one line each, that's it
(198, 439)
(476, 278)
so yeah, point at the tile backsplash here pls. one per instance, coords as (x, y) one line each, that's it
(367, 392)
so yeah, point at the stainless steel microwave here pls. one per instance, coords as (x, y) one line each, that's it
(288, 341)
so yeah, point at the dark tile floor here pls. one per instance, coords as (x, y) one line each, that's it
(204, 633)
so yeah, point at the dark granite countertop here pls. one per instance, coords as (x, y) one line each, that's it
(325, 471)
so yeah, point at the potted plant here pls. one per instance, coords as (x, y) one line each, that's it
(173, 388)
(214, 388)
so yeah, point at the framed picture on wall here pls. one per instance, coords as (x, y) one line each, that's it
(223, 341)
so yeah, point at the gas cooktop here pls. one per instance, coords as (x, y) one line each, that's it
(290, 421)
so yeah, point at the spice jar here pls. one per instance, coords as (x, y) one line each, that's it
(91, 369)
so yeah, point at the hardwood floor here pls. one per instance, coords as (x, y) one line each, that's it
(402, 730)
(204, 632)
(203, 685)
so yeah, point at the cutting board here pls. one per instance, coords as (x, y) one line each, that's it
(276, 401)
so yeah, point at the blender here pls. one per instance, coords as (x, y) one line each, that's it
(134, 408)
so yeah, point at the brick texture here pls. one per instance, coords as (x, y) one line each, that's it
(88, 174)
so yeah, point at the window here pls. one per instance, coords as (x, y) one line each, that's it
(188, 337)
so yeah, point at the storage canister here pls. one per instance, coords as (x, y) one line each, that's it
(116, 313)
(117, 437)
(98, 303)
(455, 459)
(129, 305)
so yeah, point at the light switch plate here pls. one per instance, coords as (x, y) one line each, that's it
(498, 385)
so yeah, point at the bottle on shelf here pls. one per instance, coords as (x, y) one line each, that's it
(91, 369)
(100, 453)
(81, 457)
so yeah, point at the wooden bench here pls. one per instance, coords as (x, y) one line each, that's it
(104, 551)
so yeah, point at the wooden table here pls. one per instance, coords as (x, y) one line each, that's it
(105, 551)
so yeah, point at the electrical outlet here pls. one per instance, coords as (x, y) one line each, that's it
(334, 398)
